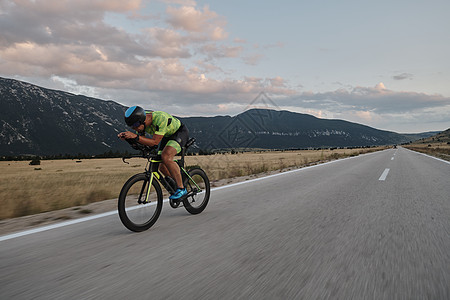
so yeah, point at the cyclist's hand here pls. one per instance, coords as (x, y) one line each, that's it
(127, 135)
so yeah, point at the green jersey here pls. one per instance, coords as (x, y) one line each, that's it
(163, 124)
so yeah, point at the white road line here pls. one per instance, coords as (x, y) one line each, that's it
(436, 158)
(384, 175)
(71, 222)
(53, 226)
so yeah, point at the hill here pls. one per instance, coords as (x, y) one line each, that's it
(439, 138)
(270, 129)
(40, 121)
(437, 145)
(35, 120)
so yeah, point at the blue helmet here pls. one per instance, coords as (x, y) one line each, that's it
(135, 116)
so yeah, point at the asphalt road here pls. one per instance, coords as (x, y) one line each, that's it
(344, 230)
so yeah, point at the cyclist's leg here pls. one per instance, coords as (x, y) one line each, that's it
(170, 165)
(162, 168)
(172, 147)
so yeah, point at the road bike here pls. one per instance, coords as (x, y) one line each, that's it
(141, 198)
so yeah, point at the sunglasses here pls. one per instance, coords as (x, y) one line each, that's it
(136, 125)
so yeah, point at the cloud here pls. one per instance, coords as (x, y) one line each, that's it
(253, 59)
(165, 43)
(220, 51)
(277, 81)
(403, 76)
(71, 41)
(206, 67)
(190, 19)
(378, 100)
(380, 86)
(240, 41)
(181, 2)
(55, 21)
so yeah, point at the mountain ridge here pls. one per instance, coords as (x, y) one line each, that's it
(36, 120)
(259, 128)
(40, 121)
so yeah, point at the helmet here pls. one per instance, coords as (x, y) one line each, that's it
(135, 116)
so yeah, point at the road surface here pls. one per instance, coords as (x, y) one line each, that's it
(371, 227)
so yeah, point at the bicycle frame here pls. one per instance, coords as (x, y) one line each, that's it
(152, 171)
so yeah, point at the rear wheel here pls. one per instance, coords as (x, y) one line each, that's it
(198, 191)
(140, 203)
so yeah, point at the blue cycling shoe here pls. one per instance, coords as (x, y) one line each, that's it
(178, 194)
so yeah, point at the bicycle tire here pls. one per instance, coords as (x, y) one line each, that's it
(135, 216)
(194, 197)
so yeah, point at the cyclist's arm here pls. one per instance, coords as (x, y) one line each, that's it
(154, 141)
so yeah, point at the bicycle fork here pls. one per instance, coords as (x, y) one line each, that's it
(146, 193)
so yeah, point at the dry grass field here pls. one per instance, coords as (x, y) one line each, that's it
(438, 145)
(440, 150)
(56, 184)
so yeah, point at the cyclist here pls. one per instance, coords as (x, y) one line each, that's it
(167, 131)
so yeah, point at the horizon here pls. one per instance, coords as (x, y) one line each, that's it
(247, 109)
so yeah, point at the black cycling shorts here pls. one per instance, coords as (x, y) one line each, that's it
(176, 140)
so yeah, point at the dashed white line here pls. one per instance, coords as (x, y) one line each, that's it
(384, 175)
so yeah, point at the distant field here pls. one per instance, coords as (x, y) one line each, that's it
(55, 184)
(440, 150)
(438, 145)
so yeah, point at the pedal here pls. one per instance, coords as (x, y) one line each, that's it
(174, 203)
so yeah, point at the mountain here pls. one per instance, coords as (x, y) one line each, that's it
(35, 120)
(40, 121)
(419, 136)
(440, 138)
(270, 129)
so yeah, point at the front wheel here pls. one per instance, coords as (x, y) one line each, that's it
(140, 203)
(198, 190)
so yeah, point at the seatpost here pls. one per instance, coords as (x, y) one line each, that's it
(183, 151)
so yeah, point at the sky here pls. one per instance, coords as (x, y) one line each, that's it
(384, 63)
